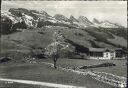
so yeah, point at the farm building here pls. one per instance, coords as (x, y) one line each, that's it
(120, 53)
(103, 53)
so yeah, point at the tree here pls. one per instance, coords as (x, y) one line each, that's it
(6, 25)
(56, 46)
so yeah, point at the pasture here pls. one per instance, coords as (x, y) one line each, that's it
(120, 69)
(45, 73)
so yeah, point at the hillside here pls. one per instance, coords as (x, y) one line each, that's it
(30, 30)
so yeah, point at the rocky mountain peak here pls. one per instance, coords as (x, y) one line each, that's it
(83, 17)
(44, 13)
(32, 17)
(84, 20)
(96, 21)
(16, 12)
(61, 18)
(73, 19)
(108, 24)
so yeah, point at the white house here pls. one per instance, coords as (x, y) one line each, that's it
(107, 54)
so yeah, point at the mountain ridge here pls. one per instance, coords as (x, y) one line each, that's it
(82, 20)
(81, 31)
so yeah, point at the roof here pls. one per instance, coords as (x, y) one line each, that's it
(118, 49)
(97, 49)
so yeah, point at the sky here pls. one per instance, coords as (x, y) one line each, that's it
(114, 11)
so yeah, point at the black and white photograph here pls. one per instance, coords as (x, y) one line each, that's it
(63, 44)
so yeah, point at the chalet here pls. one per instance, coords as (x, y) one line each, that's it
(103, 53)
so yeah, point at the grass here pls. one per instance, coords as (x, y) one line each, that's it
(29, 39)
(120, 69)
(107, 37)
(44, 73)
(41, 37)
(26, 39)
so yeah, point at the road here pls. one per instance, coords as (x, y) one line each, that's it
(39, 83)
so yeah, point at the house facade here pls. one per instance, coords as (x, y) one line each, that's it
(107, 54)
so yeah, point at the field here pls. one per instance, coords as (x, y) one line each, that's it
(44, 73)
(120, 69)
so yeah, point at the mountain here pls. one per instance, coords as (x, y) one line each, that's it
(96, 21)
(34, 18)
(84, 21)
(19, 21)
(6, 22)
(28, 18)
(41, 14)
(73, 19)
(81, 32)
(44, 13)
(62, 18)
(105, 24)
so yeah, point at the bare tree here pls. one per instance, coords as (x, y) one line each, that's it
(56, 46)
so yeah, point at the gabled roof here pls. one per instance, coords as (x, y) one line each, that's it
(107, 50)
(97, 49)
(118, 49)
(104, 49)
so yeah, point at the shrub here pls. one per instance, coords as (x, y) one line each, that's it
(4, 59)
(99, 65)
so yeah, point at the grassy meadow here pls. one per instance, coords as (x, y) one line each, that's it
(44, 73)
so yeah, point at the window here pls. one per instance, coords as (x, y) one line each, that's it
(106, 54)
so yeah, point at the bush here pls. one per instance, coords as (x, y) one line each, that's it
(4, 59)
(39, 56)
(99, 65)
(6, 25)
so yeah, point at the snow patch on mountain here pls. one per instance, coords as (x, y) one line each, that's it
(28, 20)
(11, 17)
(105, 24)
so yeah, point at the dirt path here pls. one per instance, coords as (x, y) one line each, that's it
(46, 84)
